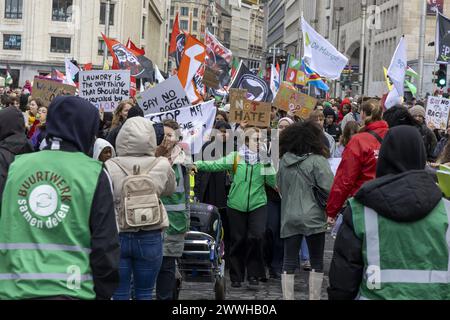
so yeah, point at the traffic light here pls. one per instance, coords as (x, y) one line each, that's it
(441, 76)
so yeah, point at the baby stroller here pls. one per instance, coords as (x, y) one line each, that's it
(202, 259)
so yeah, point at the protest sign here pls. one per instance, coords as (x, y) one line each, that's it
(166, 96)
(437, 113)
(105, 88)
(291, 100)
(195, 122)
(254, 112)
(47, 90)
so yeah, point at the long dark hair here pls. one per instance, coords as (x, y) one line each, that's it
(303, 138)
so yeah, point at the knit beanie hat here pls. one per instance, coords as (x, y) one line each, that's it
(417, 111)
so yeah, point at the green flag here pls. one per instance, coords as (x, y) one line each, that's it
(410, 72)
(9, 79)
(411, 87)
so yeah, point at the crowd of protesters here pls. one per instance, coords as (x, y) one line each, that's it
(270, 218)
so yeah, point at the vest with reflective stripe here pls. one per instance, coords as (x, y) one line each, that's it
(176, 205)
(45, 236)
(404, 261)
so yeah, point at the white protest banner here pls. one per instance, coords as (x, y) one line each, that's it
(166, 96)
(105, 88)
(194, 121)
(437, 113)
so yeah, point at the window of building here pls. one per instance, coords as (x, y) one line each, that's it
(103, 13)
(101, 48)
(60, 45)
(12, 42)
(143, 4)
(184, 11)
(183, 24)
(143, 27)
(172, 10)
(171, 24)
(194, 25)
(62, 10)
(196, 12)
(13, 9)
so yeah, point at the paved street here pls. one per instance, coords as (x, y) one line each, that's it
(268, 291)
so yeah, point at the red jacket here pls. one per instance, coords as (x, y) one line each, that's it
(358, 165)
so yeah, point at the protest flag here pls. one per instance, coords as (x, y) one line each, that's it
(257, 89)
(320, 55)
(71, 71)
(397, 73)
(88, 66)
(174, 35)
(125, 59)
(313, 77)
(410, 72)
(218, 59)
(234, 67)
(133, 48)
(386, 78)
(441, 43)
(193, 58)
(9, 79)
(275, 79)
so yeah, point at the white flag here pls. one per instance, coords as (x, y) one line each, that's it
(393, 99)
(71, 71)
(397, 69)
(396, 73)
(158, 75)
(320, 55)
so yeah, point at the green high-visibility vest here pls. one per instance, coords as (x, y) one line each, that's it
(177, 205)
(404, 261)
(45, 237)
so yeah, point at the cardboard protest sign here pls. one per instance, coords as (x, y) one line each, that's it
(47, 90)
(195, 122)
(437, 113)
(105, 88)
(166, 96)
(255, 113)
(291, 100)
(211, 78)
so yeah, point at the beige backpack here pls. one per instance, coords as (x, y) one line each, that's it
(139, 204)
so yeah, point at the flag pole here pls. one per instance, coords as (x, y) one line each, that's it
(423, 24)
(108, 12)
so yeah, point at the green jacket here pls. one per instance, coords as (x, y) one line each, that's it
(247, 191)
(300, 213)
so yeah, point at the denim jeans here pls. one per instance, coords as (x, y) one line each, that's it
(304, 252)
(141, 255)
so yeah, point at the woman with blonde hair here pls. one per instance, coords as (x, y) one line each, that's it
(121, 113)
(359, 160)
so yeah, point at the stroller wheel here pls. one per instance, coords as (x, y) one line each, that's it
(220, 288)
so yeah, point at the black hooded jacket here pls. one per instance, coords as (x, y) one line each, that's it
(13, 141)
(403, 192)
(72, 123)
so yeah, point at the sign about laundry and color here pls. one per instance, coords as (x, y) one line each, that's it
(437, 113)
(105, 88)
(47, 90)
(290, 100)
(255, 113)
(166, 96)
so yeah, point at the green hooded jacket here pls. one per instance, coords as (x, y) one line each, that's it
(300, 213)
(247, 191)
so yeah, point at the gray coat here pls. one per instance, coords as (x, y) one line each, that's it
(300, 213)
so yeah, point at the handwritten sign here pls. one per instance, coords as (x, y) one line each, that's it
(255, 113)
(290, 100)
(47, 90)
(166, 96)
(105, 88)
(195, 122)
(437, 113)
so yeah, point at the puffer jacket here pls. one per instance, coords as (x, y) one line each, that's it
(247, 192)
(136, 145)
(358, 165)
(300, 213)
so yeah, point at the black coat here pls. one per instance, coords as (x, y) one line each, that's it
(13, 141)
(402, 193)
(334, 130)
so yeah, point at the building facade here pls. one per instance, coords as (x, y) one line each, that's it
(38, 35)
(193, 16)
